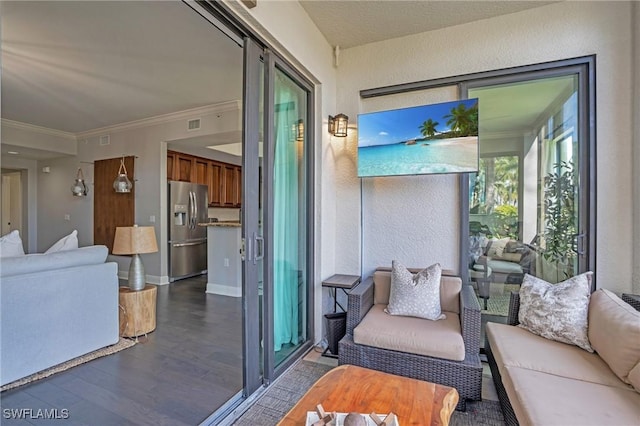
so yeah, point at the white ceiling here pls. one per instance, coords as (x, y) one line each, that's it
(348, 23)
(78, 66)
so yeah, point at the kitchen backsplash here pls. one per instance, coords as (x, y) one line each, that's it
(224, 213)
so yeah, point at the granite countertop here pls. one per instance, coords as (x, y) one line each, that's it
(222, 223)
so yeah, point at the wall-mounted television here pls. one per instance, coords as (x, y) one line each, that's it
(427, 139)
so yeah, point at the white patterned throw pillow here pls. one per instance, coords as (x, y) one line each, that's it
(68, 242)
(415, 295)
(557, 311)
(11, 245)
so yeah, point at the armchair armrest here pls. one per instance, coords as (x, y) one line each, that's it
(632, 299)
(359, 301)
(514, 307)
(470, 319)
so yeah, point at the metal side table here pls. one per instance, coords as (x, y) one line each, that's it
(337, 321)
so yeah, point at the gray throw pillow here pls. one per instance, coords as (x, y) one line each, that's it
(415, 295)
(557, 311)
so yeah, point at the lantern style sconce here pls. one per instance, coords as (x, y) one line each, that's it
(338, 125)
(299, 126)
(79, 189)
(122, 184)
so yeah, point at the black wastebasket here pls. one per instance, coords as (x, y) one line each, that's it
(336, 329)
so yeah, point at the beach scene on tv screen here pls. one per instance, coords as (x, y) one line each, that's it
(437, 138)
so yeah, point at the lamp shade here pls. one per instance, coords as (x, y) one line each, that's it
(134, 240)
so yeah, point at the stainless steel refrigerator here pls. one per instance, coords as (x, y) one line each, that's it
(188, 206)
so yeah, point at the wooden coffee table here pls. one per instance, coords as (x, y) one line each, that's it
(348, 388)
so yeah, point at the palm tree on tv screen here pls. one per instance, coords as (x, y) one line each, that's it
(463, 121)
(428, 128)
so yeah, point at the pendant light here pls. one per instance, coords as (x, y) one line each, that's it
(122, 184)
(79, 189)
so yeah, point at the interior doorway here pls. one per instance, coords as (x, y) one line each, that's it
(12, 197)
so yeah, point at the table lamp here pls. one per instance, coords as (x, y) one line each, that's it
(135, 240)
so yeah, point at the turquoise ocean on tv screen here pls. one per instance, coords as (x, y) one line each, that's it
(424, 157)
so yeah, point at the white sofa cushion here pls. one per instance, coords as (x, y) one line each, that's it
(11, 245)
(68, 242)
(614, 332)
(440, 339)
(37, 262)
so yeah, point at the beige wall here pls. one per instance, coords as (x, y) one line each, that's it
(553, 32)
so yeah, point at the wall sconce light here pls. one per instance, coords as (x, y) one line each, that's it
(338, 125)
(299, 130)
(122, 184)
(79, 189)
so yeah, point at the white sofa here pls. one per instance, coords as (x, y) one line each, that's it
(55, 307)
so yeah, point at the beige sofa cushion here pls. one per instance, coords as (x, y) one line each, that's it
(547, 399)
(450, 288)
(440, 339)
(634, 377)
(516, 347)
(614, 332)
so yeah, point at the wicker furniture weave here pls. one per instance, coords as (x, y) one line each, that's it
(512, 319)
(465, 375)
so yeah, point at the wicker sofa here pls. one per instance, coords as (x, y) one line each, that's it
(544, 382)
(444, 352)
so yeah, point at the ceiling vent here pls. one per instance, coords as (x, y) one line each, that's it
(105, 140)
(193, 124)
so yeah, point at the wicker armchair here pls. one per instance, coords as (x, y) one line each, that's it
(465, 375)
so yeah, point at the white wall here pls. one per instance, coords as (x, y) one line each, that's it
(557, 31)
(147, 141)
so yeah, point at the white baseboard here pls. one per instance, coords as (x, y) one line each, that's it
(224, 290)
(150, 279)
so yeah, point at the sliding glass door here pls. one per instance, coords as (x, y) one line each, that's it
(277, 206)
(529, 205)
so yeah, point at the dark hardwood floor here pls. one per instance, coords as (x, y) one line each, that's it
(181, 373)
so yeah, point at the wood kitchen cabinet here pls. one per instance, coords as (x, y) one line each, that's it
(171, 162)
(184, 168)
(230, 189)
(223, 180)
(201, 171)
(215, 183)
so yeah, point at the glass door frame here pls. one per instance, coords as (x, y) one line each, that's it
(257, 53)
(272, 61)
(584, 69)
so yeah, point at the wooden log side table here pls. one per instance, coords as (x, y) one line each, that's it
(349, 388)
(137, 313)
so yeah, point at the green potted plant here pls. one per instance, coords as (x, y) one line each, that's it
(560, 219)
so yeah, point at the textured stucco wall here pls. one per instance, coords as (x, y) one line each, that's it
(635, 52)
(553, 32)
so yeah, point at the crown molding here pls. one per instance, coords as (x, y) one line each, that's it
(160, 119)
(18, 125)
